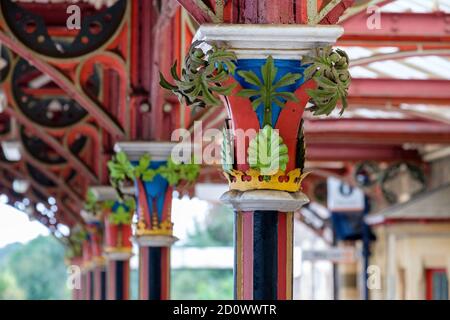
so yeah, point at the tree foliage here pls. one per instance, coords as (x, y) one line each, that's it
(35, 270)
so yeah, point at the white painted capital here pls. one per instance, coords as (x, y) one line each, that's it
(250, 41)
(265, 200)
(159, 151)
(155, 240)
(118, 256)
(106, 193)
(89, 217)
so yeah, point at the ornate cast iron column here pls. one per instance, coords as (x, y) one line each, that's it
(154, 226)
(87, 276)
(94, 267)
(98, 265)
(117, 246)
(271, 98)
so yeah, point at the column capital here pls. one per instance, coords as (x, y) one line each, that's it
(106, 193)
(265, 200)
(155, 240)
(159, 151)
(252, 41)
(117, 254)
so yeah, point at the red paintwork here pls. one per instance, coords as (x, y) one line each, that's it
(396, 91)
(114, 233)
(247, 255)
(406, 29)
(429, 281)
(96, 245)
(265, 11)
(165, 273)
(87, 251)
(243, 117)
(376, 131)
(347, 151)
(282, 256)
(143, 211)
(289, 122)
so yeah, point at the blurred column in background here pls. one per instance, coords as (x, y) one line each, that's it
(87, 272)
(154, 230)
(118, 251)
(98, 265)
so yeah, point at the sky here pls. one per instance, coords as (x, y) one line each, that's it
(16, 227)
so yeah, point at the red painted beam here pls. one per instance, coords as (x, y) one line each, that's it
(262, 11)
(396, 91)
(333, 16)
(348, 152)
(363, 131)
(399, 30)
(195, 11)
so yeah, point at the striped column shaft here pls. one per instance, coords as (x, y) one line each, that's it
(118, 274)
(89, 284)
(84, 282)
(154, 273)
(77, 294)
(263, 255)
(99, 279)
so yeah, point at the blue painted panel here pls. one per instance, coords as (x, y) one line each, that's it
(283, 67)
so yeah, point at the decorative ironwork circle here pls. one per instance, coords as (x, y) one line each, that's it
(95, 30)
(52, 112)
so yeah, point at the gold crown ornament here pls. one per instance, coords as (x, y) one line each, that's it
(165, 228)
(253, 180)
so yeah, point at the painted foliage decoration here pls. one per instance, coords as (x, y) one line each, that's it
(91, 204)
(124, 212)
(267, 152)
(267, 92)
(120, 212)
(227, 151)
(75, 242)
(151, 180)
(121, 170)
(203, 78)
(269, 85)
(329, 69)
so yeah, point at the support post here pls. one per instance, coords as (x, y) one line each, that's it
(265, 202)
(97, 274)
(87, 272)
(117, 246)
(154, 234)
